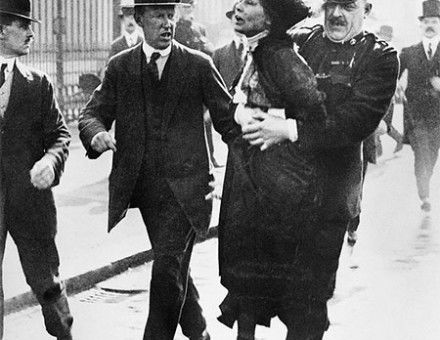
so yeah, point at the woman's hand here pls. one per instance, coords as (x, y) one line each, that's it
(265, 131)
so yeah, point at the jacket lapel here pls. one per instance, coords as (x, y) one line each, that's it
(436, 56)
(135, 84)
(19, 89)
(421, 57)
(176, 80)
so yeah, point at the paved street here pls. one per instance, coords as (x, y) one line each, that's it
(388, 289)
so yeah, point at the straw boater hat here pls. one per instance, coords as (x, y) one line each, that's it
(17, 8)
(126, 8)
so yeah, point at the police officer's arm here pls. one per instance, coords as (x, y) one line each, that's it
(355, 119)
(99, 113)
(217, 99)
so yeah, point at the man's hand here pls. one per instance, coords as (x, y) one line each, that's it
(102, 142)
(266, 131)
(435, 82)
(42, 174)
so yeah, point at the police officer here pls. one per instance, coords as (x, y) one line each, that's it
(358, 72)
(422, 109)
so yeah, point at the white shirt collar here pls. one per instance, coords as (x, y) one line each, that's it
(9, 61)
(148, 50)
(239, 40)
(254, 40)
(433, 41)
(131, 37)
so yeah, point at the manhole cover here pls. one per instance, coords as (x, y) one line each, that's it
(98, 295)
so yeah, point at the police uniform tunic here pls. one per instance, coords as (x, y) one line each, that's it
(359, 77)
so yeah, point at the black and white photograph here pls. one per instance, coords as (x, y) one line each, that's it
(219, 169)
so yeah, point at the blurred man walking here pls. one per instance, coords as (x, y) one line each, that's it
(422, 110)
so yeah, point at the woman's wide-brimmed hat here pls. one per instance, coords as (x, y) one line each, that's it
(286, 13)
(17, 8)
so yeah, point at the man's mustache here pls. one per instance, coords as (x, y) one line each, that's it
(337, 21)
(430, 29)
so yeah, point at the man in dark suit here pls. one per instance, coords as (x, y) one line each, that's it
(155, 94)
(358, 72)
(422, 109)
(229, 59)
(33, 148)
(130, 36)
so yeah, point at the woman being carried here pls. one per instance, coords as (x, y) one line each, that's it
(270, 194)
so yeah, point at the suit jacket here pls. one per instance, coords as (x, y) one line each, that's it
(120, 44)
(32, 127)
(229, 62)
(193, 82)
(423, 103)
(359, 79)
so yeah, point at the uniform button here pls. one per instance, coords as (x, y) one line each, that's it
(352, 41)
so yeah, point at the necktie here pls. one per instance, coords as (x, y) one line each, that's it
(429, 51)
(2, 74)
(152, 66)
(240, 50)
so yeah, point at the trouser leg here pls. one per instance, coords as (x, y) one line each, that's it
(353, 224)
(173, 296)
(40, 261)
(3, 235)
(209, 139)
(246, 326)
(419, 139)
(167, 296)
(434, 145)
(308, 320)
(191, 320)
